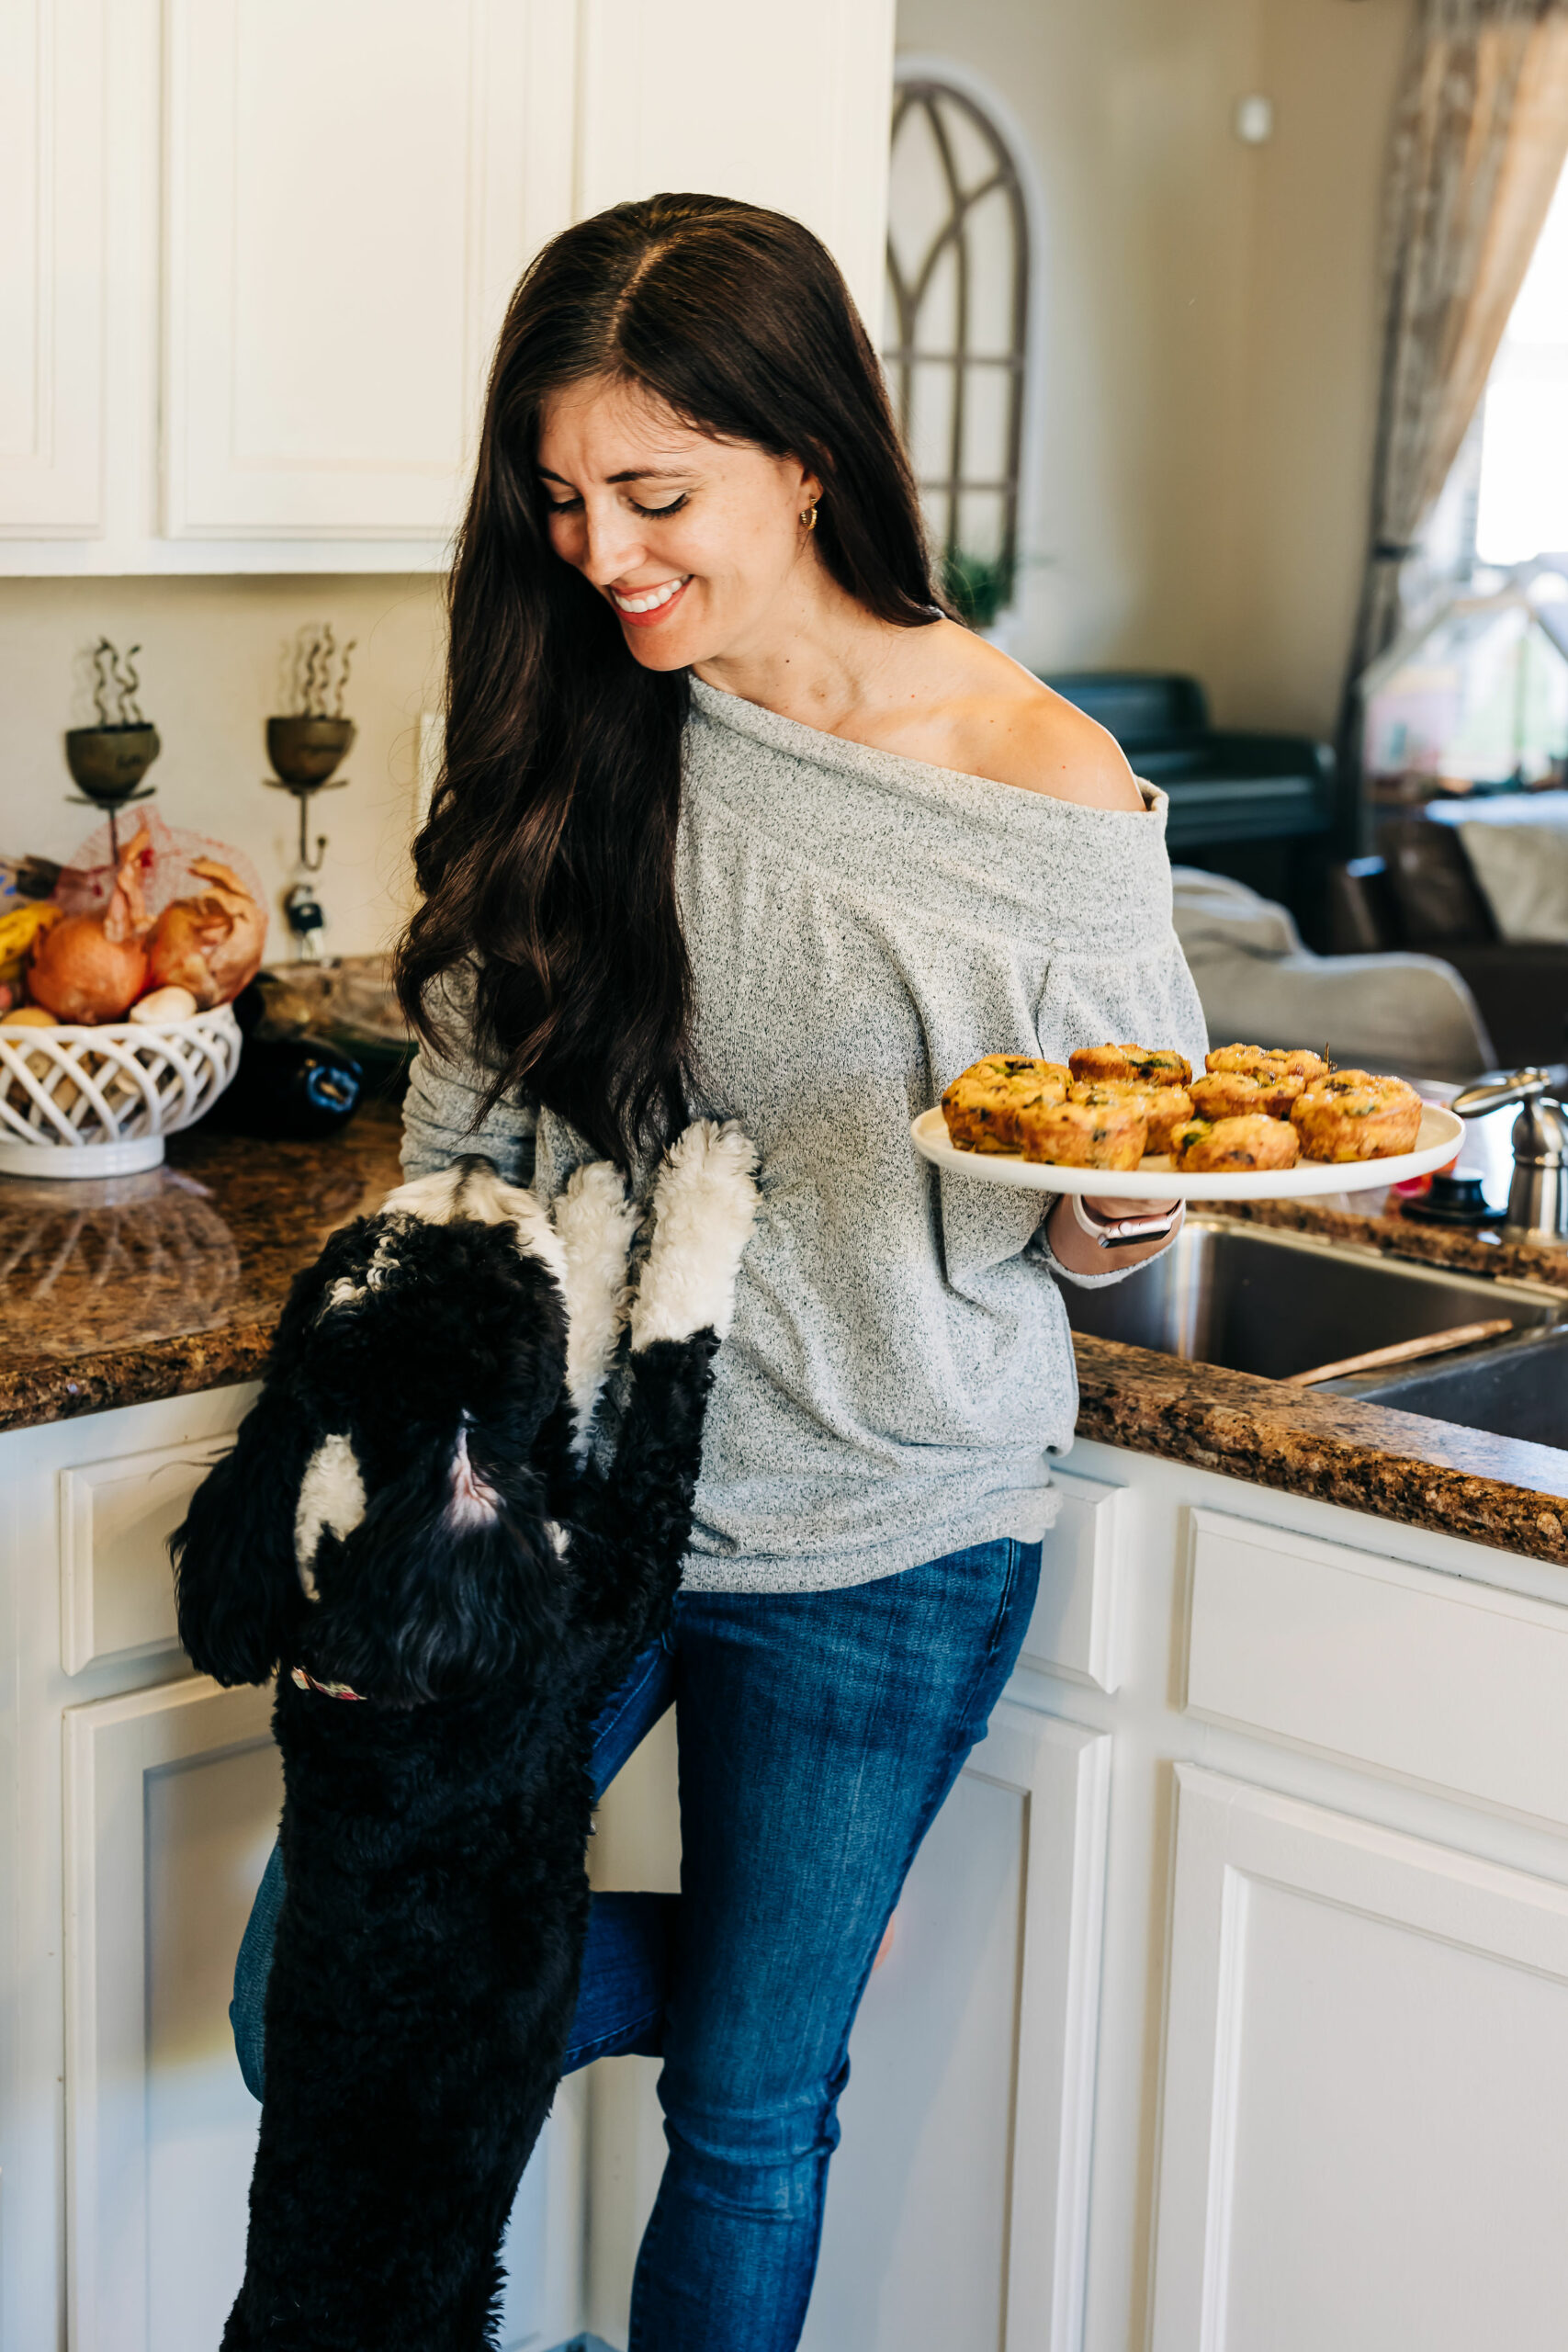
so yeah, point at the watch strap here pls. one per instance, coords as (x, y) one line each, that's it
(1125, 1232)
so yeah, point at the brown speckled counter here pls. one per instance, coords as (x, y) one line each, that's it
(1394, 1234)
(117, 1292)
(1495, 1490)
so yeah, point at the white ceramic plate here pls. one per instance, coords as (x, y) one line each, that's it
(1440, 1138)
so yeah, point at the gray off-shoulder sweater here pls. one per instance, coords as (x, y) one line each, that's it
(862, 927)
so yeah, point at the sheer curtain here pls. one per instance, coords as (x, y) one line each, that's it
(1480, 137)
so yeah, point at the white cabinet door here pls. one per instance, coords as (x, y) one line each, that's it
(1077, 1626)
(172, 1799)
(958, 2200)
(1365, 2078)
(326, 203)
(790, 111)
(351, 193)
(52, 268)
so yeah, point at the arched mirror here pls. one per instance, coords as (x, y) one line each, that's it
(957, 327)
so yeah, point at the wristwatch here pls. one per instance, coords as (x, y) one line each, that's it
(1123, 1232)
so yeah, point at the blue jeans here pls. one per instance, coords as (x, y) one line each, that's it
(818, 1733)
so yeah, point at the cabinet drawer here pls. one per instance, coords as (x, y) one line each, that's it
(117, 1596)
(1075, 1628)
(1432, 1678)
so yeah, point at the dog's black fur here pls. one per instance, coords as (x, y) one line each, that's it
(434, 1827)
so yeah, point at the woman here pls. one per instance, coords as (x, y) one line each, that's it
(734, 820)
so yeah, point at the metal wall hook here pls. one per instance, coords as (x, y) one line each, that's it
(302, 793)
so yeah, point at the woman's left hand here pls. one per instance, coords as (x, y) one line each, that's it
(1074, 1249)
(1114, 1208)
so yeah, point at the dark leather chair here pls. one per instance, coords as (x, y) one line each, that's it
(1419, 892)
(1226, 785)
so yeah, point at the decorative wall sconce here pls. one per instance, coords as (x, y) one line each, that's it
(305, 747)
(109, 760)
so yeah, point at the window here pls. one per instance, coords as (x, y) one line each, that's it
(957, 323)
(1506, 502)
(1473, 695)
(1522, 506)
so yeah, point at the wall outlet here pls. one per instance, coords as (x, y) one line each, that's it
(1255, 120)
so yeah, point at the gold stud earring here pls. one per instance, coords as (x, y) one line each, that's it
(808, 515)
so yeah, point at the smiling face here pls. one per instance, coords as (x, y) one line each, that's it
(696, 544)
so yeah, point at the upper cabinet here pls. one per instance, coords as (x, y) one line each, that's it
(352, 187)
(52, 266)
(248, 324)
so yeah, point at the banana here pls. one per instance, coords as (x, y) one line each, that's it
(18, 929)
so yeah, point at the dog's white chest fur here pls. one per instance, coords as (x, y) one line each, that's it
(332, 1496)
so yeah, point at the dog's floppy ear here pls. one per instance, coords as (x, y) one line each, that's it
(237, 1585)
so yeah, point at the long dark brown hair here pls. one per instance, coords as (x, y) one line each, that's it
(548, 857)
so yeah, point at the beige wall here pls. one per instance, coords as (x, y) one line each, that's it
(1208, 312)
(1201, 440)
(210, 660)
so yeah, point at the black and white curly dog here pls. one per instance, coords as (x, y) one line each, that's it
(412, 1527)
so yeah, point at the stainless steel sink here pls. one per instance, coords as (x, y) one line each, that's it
(1277, 1303)
(1517, 1387)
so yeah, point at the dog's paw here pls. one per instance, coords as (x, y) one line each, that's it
(597, 1225)
(704, 1205)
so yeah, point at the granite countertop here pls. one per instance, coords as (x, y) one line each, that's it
(1392, 1235)
(120, 1290)
(117, 1289)
(1497, 1490)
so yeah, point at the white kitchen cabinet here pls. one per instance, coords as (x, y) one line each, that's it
(141, 1803)
(1322, 2063)
(958, 2212)
(1443, 1681)
(351, 194)
(170, 1803)
(1226, 2008)
(52, 123)
(1366, 2070)
(1079, 1620)
(249, 326)
(1336, 1945)
(116, 1597)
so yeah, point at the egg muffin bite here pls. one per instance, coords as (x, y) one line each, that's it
(1244, 1094)
(1352, 1115)
(1214, 1147)
(982, 1105)
(1134, 1065)
(1169, 1108)
(1295, 1061)
(1096, 1127)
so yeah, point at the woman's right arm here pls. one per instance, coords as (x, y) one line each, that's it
(443, 1094)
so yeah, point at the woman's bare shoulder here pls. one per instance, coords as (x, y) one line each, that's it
(1041, 743)
(995, 719)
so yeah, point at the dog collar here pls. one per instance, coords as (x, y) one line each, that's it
(328, 1689)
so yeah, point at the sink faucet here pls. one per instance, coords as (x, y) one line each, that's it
(1538, 1197)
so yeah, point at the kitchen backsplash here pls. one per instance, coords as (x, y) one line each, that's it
(212, 670)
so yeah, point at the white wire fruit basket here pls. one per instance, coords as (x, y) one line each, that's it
(98, 1102)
